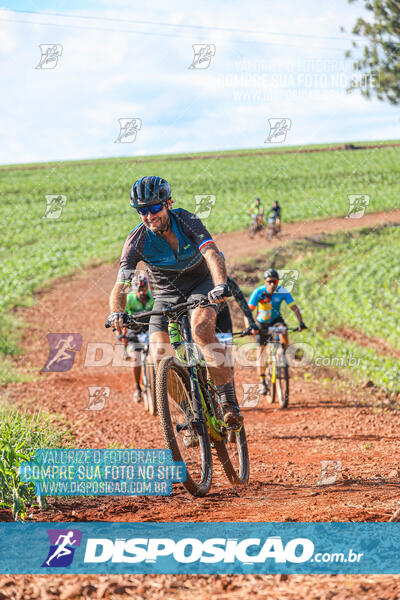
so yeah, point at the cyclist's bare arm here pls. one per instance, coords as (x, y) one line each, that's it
(297, 312)
(215, 263)
(246, 321)
(118, 301)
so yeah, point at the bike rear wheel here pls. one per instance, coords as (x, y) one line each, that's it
(186, 442)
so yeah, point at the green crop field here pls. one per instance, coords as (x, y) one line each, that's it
(353, 281)
(97, 216)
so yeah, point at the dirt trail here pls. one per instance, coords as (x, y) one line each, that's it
(324, 421)
(238, 243)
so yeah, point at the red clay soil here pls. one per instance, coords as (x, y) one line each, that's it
(380, 346)
(327, 419)
(202, 587)
(238, 243)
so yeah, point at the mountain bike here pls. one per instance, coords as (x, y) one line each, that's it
(191, 418)
(148, 370)
(277, 368)
(255, 227)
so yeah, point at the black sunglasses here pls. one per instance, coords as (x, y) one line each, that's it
(154, 209)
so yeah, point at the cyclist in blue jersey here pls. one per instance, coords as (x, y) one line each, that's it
(185, 265)
(268, 299)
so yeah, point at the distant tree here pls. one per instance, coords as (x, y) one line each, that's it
(381, 56)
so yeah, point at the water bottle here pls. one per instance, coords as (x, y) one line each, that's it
(176, 341)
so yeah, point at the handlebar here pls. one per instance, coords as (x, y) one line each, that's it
(273, 329)
(282, 329)
(132, 322)
(242, 333)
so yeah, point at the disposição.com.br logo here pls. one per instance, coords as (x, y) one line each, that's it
(63, 543)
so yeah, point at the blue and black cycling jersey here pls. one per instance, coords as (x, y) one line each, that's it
(172, 274)
(276, 212)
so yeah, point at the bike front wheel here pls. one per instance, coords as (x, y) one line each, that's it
(232, 450)
(150, 390)
(277, 376)
(185, 439)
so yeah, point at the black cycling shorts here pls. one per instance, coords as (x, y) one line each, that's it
(160, 322)
(263, 337)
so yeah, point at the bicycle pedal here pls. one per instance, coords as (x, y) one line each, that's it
(182, 427)
(198, 426)
(233, 429)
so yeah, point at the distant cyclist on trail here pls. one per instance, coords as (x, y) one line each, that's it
(256, 211)
(137, 301)
(268, 299)
(276, 215)
(186, 265)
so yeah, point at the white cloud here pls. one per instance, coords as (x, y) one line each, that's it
(72, 111)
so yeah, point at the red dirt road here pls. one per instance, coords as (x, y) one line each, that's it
(326, 420)
(238, 243)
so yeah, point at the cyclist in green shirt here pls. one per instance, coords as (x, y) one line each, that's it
(136, 302)
(256, 211)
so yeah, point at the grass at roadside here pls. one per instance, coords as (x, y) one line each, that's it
(344, 280)
(20, 435)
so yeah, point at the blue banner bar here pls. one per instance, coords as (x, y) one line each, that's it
(194, 548)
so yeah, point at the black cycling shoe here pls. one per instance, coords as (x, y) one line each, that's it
(190, 439)
(263, 388)
(232, 415)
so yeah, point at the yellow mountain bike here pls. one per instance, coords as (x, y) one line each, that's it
(277, 367)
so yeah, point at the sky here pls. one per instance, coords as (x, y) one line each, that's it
(132, 61)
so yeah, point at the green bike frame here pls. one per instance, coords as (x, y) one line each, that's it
(186, 354)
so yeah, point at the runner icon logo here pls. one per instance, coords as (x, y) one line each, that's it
(287, 278)
(62, 351)
(330, 470)
(50, 55)
(128, 129)
(251, 394)
(278, 129)
(97, 397)
(203, 54)
(204, 205)
(63, 543)
(54, 206)
(357, 205)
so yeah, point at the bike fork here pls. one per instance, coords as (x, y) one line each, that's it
(198, 422)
